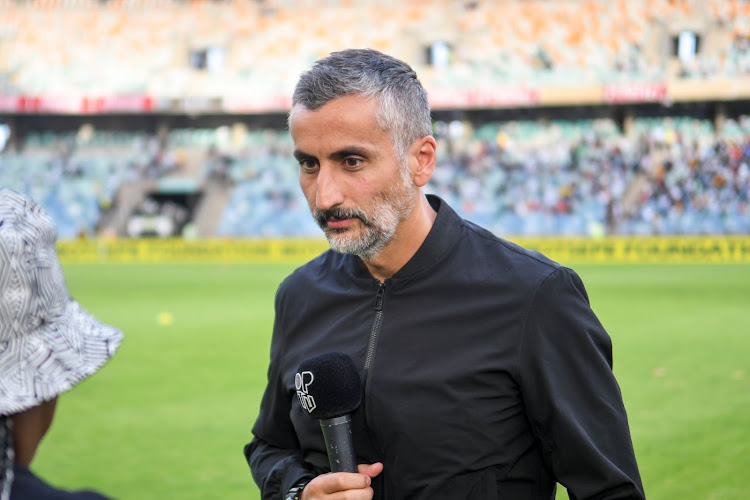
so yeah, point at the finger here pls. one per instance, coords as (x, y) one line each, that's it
(363, 494)
(370, 470)
(340, 481)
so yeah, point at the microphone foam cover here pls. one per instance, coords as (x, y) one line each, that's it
(328, 385)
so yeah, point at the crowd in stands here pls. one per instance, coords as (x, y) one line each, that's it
(236, 48)
(76, 175)
(667, 176)
(676, 175)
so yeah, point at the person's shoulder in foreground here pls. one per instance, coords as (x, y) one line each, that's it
(48, 344)
(26, 485)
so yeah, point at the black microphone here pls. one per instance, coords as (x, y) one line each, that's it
(329, 388)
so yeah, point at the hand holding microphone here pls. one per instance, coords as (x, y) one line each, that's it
(329, 389)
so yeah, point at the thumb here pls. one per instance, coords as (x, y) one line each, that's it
(370, 470)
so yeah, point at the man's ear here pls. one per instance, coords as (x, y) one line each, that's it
(422, 155)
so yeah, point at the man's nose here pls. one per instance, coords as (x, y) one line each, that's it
(328, 193)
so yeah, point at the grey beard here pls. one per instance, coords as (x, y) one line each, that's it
(379, 228)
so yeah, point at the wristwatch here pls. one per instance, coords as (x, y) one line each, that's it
(295, 492)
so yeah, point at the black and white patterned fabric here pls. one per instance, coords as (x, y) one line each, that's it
(48, 343)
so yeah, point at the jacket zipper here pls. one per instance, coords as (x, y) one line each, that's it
(374, 332)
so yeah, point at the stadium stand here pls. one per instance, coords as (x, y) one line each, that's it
(259, 48)
(673, 175)
(206, 160)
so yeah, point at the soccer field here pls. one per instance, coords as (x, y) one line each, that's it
(168, 417)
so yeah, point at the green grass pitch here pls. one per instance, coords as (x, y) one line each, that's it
(168, 417)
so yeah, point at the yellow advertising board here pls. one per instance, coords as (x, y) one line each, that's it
(664, 249)
(667, 249)
(177, 250)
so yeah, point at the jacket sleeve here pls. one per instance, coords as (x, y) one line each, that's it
(274, 454)
(275, 469)
(572, 398)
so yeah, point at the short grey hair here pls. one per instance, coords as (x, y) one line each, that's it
(403, 109)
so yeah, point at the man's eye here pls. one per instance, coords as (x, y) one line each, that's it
(307, 164)
(353, 162)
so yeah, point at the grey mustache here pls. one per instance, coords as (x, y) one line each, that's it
(322, 216)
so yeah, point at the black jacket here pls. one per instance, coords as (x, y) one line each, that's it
(486, 375)
(27, 486)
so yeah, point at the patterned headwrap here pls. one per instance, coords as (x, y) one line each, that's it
(48, 342)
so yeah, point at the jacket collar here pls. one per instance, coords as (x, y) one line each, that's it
(442, 236)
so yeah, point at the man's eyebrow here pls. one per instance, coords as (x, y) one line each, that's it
(350, 151)
(299, 155)
(336, 155)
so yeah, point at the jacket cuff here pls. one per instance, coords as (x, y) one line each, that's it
(295, 474)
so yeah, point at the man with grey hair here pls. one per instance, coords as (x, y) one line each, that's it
(485, 373)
